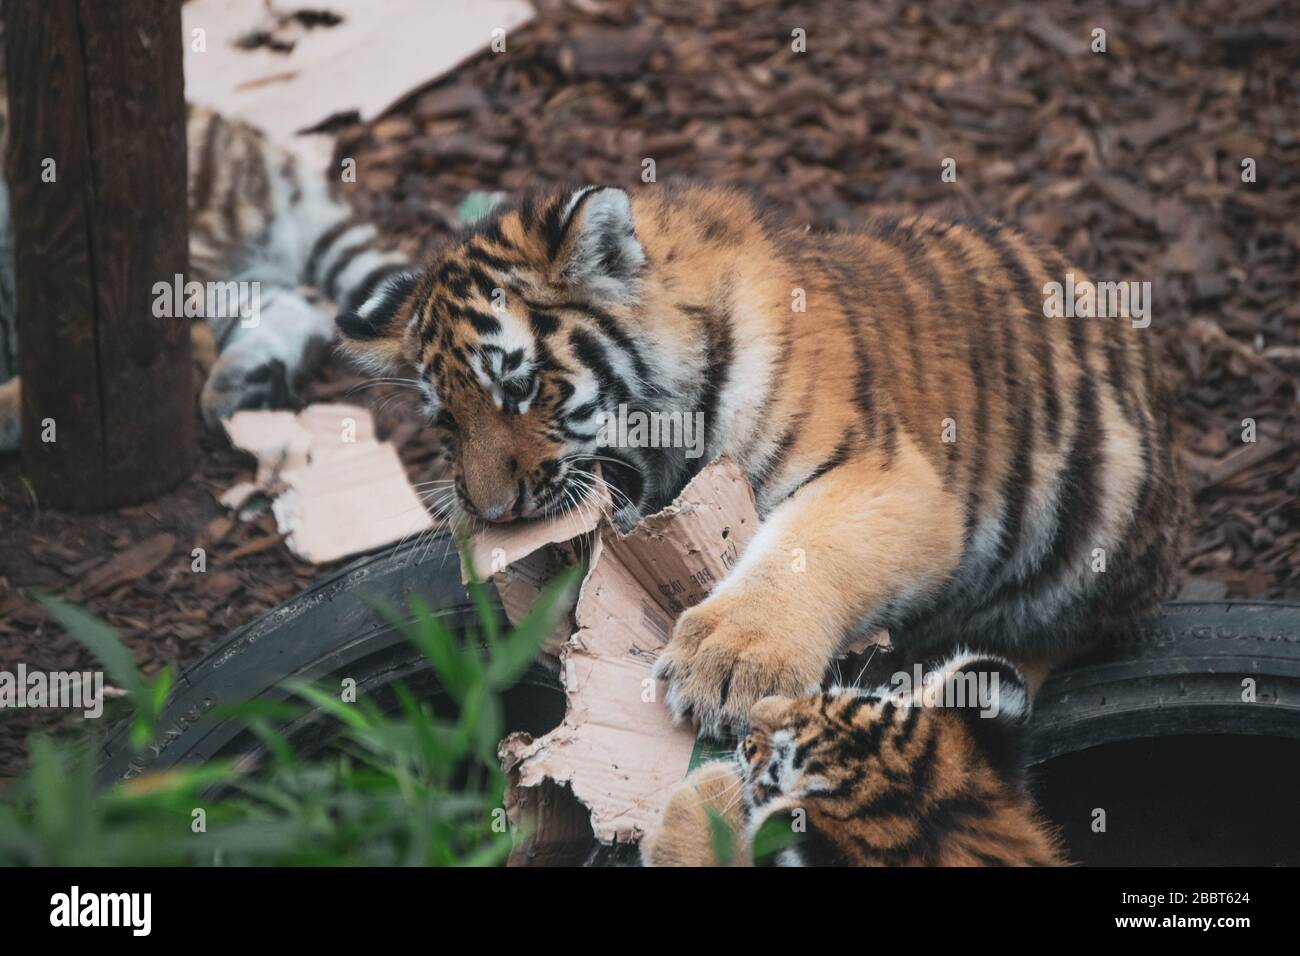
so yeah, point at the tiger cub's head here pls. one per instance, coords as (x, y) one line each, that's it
(514, 332)
(900, 775)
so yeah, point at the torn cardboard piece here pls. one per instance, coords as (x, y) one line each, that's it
(617, 750)
(285, 68)
(551, 827)
(336, 490)
(275, 439)
(519, 559)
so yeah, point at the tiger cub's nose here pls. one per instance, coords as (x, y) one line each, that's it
(507, 507)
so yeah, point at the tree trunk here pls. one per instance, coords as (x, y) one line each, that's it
(97, 175)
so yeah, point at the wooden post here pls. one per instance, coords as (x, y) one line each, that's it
(97, 177)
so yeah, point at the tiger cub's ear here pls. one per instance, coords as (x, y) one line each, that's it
(599, 252)
(991, 697)
(375, 330)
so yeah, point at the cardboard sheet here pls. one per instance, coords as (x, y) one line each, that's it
(304, 72)
(336, 490)
(521, 558)
(617, 750)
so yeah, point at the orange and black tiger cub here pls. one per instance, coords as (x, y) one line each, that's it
(927, 776)
(930, 452)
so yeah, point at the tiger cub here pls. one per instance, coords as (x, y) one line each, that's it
(930, 453)
(256, 215)
(927, 777)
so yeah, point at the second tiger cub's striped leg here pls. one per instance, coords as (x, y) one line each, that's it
(266, 357)
(847, 544)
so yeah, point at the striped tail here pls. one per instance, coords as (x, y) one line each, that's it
(348, 262)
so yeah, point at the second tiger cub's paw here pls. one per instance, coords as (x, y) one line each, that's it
(234, 384)
(263, 363)
(727, 654)
(685, 836)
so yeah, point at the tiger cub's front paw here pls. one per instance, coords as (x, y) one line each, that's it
(728, 653)
(685, 836)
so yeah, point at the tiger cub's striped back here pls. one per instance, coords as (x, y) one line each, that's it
(928, 776)
(1051, 433)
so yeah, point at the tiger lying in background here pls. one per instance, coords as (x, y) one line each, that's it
(255, 215)
(930, 454)
(853, 777)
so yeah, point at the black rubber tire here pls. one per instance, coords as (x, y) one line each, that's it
(1181, 673)
(1177, 674)
(329, 631)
